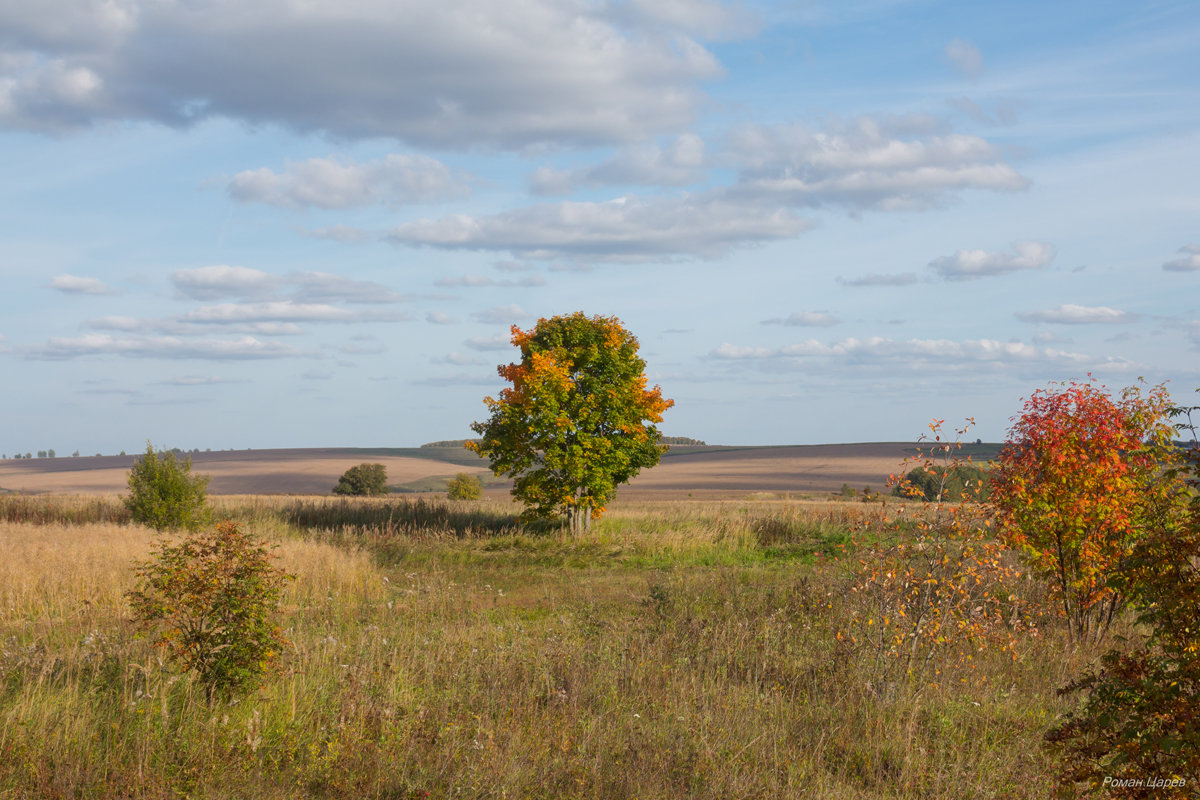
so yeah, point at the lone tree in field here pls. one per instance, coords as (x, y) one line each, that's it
(1080, 483)
(365, 479)
(576, 422)
(164, 494)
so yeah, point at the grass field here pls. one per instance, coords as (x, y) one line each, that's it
(680, 650)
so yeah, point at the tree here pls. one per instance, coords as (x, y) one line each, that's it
(1140, 715)
(214, 598)
(164, 494)
(464, 487)
(575, 423)
(1078, 484)
(365, 479)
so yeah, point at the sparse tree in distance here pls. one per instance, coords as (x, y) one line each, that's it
(164, 494)
(464, 487)
(365, 479)
(576, 422)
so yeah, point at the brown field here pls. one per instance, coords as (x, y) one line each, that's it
(703, 471)
(308, 471)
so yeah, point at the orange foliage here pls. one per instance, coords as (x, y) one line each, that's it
(1077, 482)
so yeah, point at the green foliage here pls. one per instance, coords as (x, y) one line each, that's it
(575, 423)
(959, 482)
(365, 479)
(164, 494)
(213, 599)
(464, 487)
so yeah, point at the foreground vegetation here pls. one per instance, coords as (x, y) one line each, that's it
(677, 650)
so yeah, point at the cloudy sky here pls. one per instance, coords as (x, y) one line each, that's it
(296, 223)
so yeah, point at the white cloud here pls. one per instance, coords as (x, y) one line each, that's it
(222, 280)
(199, 380)
(708, 18)
(622, 229)
(1071, 314)
(325, 287)
(939, 354)
(479, 281)
(73, 284)
(450, 73)
(967, 264)
(458, 360)
(499, 341)
(966, 57)
(1189, 262)
(347, 234)
(175, 326)
(501, 315)
(811, 319)
(882, 163)
(338, 183)
(877, 279)
(680, 163)
(280, 311)
(99, 344)
(439, 318)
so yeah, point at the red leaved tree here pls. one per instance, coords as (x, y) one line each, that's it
(1079, 483)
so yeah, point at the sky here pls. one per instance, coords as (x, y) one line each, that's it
(311, 223)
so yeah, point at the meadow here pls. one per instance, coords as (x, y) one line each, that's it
(681, 649)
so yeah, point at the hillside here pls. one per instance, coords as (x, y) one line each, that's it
(705, 470)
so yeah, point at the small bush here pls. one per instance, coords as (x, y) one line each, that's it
(164, 494)
(214, 598)
(948, 484)
(464, 487)
(365, 479)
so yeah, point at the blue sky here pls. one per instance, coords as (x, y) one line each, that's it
(293, 224)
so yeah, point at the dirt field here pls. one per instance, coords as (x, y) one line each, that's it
(704, 471)
(313, 471)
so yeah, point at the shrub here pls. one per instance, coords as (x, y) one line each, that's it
(464, 487)
(214, 598)
(934, 589)
(365, 479)
(949, 484)
(164, 494)
(1140, 716)
(1079, 484)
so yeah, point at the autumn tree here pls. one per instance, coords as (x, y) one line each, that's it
(576, 421)
(1078, 484)
(1140, 712)
(214, 600)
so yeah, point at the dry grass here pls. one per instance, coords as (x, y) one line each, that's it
(680, 651)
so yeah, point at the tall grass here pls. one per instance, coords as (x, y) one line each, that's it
(656, 657)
